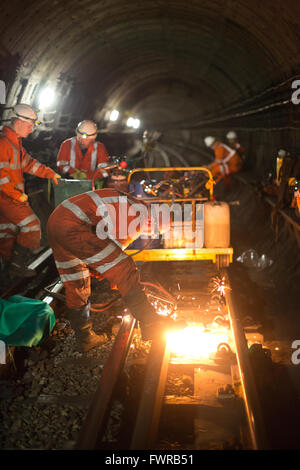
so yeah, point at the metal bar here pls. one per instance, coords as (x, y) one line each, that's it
(180, 254)
(252, 404)
(152, 397)
(98, 413)
(187, 199)
(38, 264)
(53, 293)
(40, 260)
(194, 216)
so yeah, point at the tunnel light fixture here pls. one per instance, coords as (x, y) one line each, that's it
(133, 122)
(136, 123)
(46, 98)
(129, 122)
(114, 115)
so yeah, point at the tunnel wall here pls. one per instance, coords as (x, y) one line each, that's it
(185, 68)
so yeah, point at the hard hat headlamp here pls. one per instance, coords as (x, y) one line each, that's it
(84, 135)
(35, 122)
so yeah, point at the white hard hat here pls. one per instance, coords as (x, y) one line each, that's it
(86, 129)
(282, 153)
(24, 112)
(209, 141)
(231, 135)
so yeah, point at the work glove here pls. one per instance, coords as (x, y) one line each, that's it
(23, 197)
(139, 306)
(79, 175)
(141, 309)
(55, 177)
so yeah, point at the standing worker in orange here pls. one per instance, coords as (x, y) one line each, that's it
(80, 157)
(81, 243)
(20, 229)
(226, 161)
(234, 143)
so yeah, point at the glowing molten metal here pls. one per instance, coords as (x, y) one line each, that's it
(196, 341)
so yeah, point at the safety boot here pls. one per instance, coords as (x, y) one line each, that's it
(17, 266)
(151, 323)
(82, 325)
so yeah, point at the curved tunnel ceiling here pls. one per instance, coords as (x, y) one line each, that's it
(164, 60)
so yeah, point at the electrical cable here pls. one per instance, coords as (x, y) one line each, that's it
(161, 289)
(103, 307)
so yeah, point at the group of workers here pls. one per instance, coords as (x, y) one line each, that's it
(71, 229)
(228, 157)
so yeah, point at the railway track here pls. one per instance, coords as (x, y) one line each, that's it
(221, 409)
(173, 399)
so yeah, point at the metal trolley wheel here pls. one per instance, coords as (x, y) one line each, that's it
(222, 261)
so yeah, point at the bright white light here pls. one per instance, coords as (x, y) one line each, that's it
(130, 122)
(114, 115)
(195, 341)
(46, 98)
(136, 123)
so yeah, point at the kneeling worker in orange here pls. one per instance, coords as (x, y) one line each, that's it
(19, 226)
(226, 161)
(81, 243)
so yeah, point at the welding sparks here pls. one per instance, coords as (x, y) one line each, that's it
(165, 310)
(219, 286)
(196, 341)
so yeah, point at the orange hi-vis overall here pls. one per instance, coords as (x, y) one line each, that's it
(227, 161)
(18, 222)
(70, 159)
(73, 234)
(238, 148)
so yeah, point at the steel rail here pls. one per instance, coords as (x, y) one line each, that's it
(258, 436)
(98, 413)
(149, 411)
(146, 423)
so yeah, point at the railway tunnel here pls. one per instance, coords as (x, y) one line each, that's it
(185, 71)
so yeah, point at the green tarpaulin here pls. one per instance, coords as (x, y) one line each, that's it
(24, 321)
